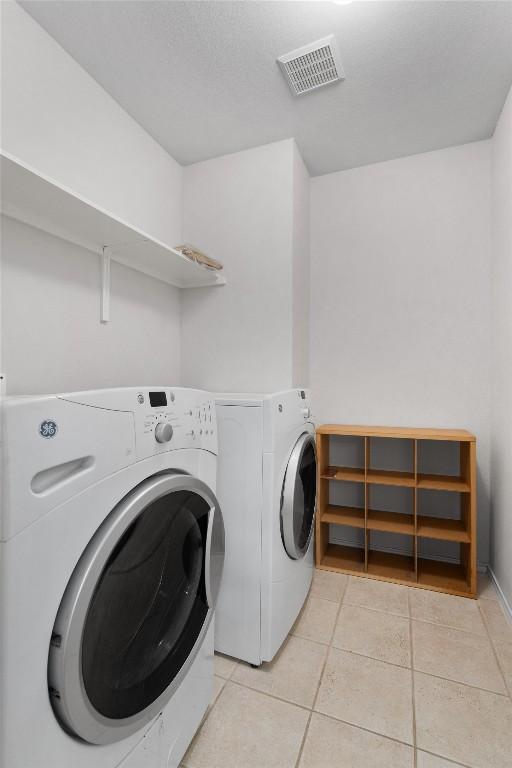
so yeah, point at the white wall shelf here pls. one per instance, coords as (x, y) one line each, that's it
(35, 199)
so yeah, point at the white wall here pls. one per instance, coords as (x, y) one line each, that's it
(53, 340)
(300, 272)
(238, 208)
(501, 451)
(57, 119)
(401, 297)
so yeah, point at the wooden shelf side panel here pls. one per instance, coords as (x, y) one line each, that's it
(321, 530)
(415, 508)
(367, 464)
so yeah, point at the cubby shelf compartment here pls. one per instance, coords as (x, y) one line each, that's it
(347, 474)
(33, 198)
(353, 516)
(443, 483)
(442, 528)
(392, 522)
(445, 577)
(369, 560)
(342, 558)
(390, 477)
(392, 566)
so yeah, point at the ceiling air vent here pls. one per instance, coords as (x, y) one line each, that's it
(312, 66)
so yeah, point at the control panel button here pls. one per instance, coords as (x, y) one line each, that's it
(163, 432)
(306, 412)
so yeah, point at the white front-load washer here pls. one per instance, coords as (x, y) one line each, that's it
(112, 548)
(266, 486)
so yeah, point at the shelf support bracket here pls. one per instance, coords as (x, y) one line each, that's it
(105, 285)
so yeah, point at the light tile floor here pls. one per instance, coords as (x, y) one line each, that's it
(372, 675)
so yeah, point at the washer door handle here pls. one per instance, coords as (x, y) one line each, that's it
(214, 556)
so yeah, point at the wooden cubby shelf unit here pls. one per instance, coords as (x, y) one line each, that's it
(456, 575)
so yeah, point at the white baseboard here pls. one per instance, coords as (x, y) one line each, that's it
(500, 592)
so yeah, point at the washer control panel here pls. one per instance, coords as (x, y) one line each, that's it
(168, 419)
(163, 432)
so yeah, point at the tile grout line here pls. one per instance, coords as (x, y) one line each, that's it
(411, 621)
(328, 648)
(496, 656)
(413, 695)
(399, 666)
(309, 639)
(365, 729)
(378, 610)
(446, 759)
(270, 695)
(348, 722)
(322, 714)
(460, 682)
(355, 725)
(414, 618)
(373, 658)
(330, 645)
(423, 621)
(421, 671)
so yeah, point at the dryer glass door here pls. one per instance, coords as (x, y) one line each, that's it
(136, 608)
(298, 497)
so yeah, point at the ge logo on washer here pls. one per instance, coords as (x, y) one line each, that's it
(48, 429)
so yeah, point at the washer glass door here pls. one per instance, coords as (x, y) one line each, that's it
(298, 497)
(138, 605)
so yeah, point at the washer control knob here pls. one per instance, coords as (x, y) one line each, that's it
(163, 432)
(306, 412)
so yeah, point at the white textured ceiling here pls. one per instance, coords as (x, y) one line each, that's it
(202, 78)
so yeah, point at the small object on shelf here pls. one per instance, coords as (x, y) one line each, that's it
(194, 254)
(425, 478)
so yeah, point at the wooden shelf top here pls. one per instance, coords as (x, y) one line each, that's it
(407, 433)
(349, 474)
(393, 522)
(390, 477)
(443, 483)
(393, 477)
(442, 528)
(353, 516)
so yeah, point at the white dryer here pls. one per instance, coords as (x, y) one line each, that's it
(266, 485)
(112, 546)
